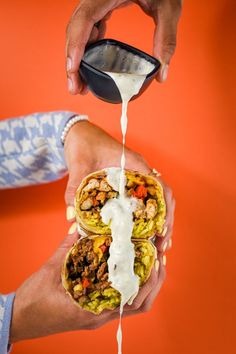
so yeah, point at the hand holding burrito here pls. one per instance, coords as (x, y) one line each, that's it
(88, 148)
(85, 274)
(42, 307)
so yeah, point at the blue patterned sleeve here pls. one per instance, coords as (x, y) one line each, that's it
(31, 151)
(6, 304)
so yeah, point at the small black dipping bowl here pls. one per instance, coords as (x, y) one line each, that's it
(101, 84)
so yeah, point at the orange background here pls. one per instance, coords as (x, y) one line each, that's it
(184, 128)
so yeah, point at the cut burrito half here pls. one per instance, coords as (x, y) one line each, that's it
(85, 272)
(97, 188)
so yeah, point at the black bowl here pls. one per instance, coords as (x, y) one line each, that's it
(101, 84)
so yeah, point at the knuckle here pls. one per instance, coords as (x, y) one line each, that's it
(172, 7)
(169, 44)
(135, 305)
(173, 203)
(153, 283)
(82, 17)
(70, 193)
(68, 28)
(75, 44)
(176, 7)
(93, 326)
(147, 306)
(71, 72)
(179, 4)
(85, 13)
(168, 191)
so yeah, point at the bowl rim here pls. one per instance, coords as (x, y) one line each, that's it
(126, 46)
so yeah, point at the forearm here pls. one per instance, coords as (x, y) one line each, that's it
(31, 151)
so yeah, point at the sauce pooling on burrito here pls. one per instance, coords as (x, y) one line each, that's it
(119, 212)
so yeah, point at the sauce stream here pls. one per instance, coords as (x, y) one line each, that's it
(119, 212)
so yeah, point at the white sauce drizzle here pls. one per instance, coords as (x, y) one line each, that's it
(119, 212)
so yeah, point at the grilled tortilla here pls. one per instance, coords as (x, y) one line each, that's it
(85, 272)
(95, 191)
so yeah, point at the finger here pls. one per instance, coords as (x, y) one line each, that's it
(166, 19)
(143, 301)
(148, 302)
(142, 294)
(163, 241)
(84, 90)
(101, 30)
(80, 31)
(136, 162)
(144, 291)
(148, 295)
(77, 173)
(78, 34)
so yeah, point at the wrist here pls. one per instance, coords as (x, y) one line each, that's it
(15, 331)
(71, 122)
(78, 144)
(31, 307)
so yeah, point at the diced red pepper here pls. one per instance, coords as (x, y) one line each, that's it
(103, 248)
(95, 202)
(140, 192)
(85, 283)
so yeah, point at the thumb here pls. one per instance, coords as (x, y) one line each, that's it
(77, 172)
(165, 35)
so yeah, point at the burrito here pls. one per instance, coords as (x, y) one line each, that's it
(85, 272)
(96, 189)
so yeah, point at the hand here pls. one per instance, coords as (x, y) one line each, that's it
(82, 30)
(88, 148)
(42, 307)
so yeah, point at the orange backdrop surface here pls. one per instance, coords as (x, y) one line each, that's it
(184, 128)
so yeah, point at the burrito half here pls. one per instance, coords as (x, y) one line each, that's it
(85, 272)
(96, 189)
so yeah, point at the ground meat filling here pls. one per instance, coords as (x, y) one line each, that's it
(87, 270)
(98, 191)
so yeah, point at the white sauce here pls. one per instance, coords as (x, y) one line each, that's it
(120, 211)
(112, 58)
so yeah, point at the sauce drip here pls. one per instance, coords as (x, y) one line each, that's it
(119, 212)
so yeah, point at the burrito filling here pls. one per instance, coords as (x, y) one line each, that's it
(87, 272)
(149, 216)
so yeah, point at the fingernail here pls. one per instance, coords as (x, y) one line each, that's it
(70, 212)
(164, 246)
(72, 229)
(68, 64)
(164, 260)
(155, 172)
(70, 84)
(164, 72)
(156, 265)
(164, 231)
(170, 243)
